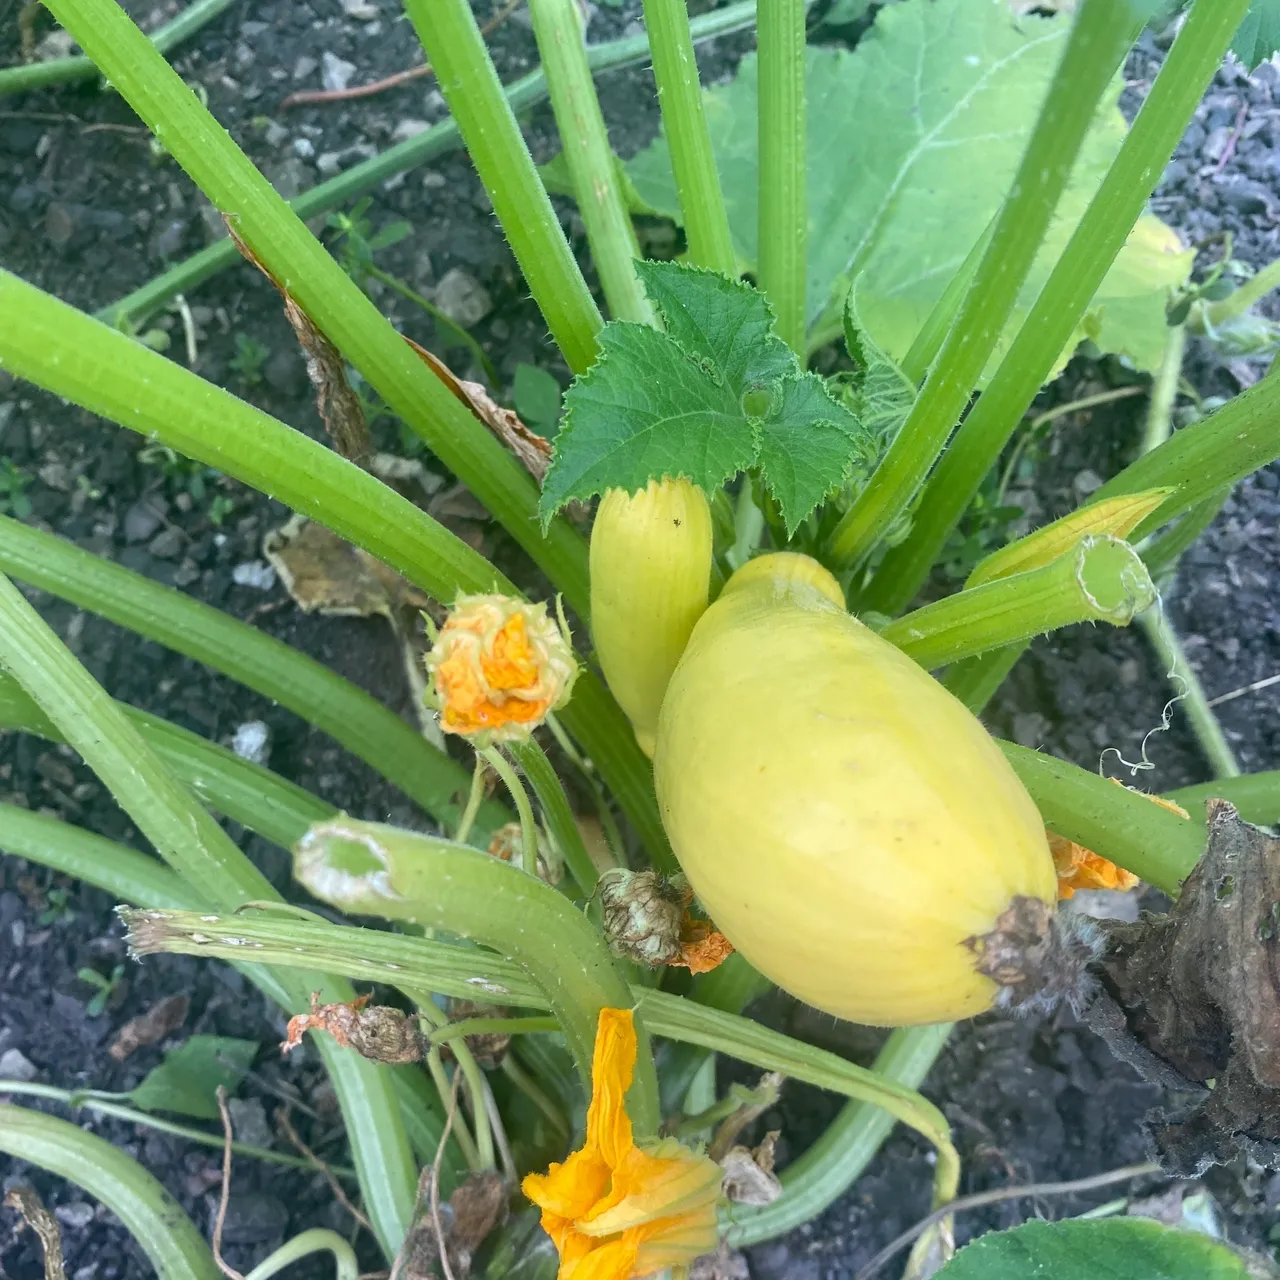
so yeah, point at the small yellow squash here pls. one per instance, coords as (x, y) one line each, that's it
(650, 574)
(848, 824)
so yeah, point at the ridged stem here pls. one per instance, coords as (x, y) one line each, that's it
(1103, 579)
(1101, 35)
(783, 202)
(456, 50)
(1187, 71)
(557, 26)
(684, 122)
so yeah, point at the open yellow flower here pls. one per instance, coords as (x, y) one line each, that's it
(617, 1211)
(498, 666)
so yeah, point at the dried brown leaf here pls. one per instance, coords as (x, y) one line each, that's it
(1198, 990)
(748, 1175)
(326, 575)
(475, 1209)
(44, 1224)
(532, 449)
(338, 404)
(163, 1017)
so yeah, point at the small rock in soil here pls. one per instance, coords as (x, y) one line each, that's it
(249, 1122)
(254, 573)
(143, 518)
(77, 1215)
(15, 1065)
(253, 1219)
(252, 741)
(335, 73)
(462, 298)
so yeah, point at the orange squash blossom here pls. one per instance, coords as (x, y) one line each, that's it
(498, 666)
(617, 1211)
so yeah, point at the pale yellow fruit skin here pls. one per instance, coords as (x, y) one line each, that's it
(845, 821)
(650, 576)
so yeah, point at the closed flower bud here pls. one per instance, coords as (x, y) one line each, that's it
(650, 575)
(498, 666)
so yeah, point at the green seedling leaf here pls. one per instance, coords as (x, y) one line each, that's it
(1111, 1249)
(187, 1080)
(937, 92)
(884, 393)
(715, 394)
(537, 399)
(1259, 34)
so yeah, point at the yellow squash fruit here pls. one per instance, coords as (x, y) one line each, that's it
(847, 823)
(650, 574)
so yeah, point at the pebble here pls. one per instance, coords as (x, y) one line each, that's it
(252, 742)
(249, 1120)
(275, 134)
(143, 518)
(59, 224)
(254, 573)
(285, 371)
(167, 544)
(360, 9)
(1086, 482)
(409, 128)
(463, 298)
(253, 1219)
(304, 147)
(77, 1215)
(304, 66)
(15, 1065)
(335, 73)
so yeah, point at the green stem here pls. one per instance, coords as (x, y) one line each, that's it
(449, 1031)
(557, 26)
(608, 823)
(526, 1084)
(1190, 692)
(474, 796)
(1256, 795)
(1120, 825)
(151, 1215)
(1102, 579)
(1236, 304)
(941, 319)
(461, 1130)
(39, 75)
(76, 1099)
(1164, 390)
(471, 1074)
(1162, 552)
(192, 843)
(702, 208)
(556, 812)
(1192, 63)
(334, 302)
(268, 666)
(305, 1243)
(1100, 37)
(838, 1158)
(783, 234)
(975, 680)
(439, 140)
(456, 50)
(528, 825)
(380, 870)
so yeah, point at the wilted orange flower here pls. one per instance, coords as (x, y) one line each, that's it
(614, 1210)
(498, 666)
(702, 946)
(1081, 868)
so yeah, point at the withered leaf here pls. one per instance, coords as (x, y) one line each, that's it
(466, 1219)
(532, 449)
(44, 1224)
(157, 1022)
(748, 1175)
(1199, 988)
(338, 405)
(326, 575)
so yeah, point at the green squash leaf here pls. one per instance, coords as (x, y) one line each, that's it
(1259, 34)
(884, 394)
(936, 94)
(536, 396)
(1108, 1249)
(716, 393)
(187, 1080)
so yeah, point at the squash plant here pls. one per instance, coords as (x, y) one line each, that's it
(696, 417)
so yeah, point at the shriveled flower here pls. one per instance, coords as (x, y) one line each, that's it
(617, 1211)
(1081, 868)
(507, 842)
(646, 919)
(498, 666)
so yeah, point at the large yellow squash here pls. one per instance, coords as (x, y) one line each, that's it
(848, 824)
